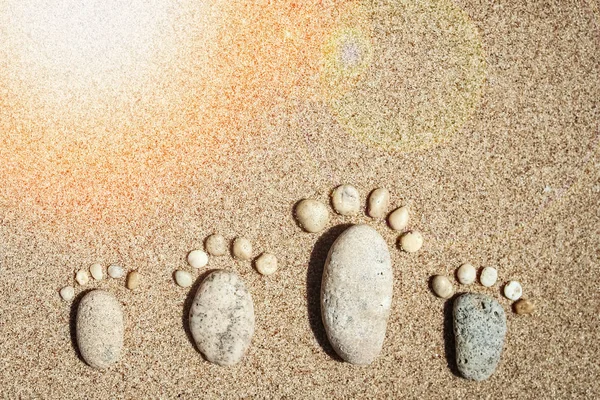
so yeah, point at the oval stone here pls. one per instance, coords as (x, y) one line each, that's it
(99, 329)
(222, 318)
(356, 294)
(479, 332)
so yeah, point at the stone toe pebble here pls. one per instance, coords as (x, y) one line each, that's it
(345, 200)
(216, 245)
(378, 203)
(479, 332)
(222, 318)
(356, 294)
(99, 329)
(311, 215)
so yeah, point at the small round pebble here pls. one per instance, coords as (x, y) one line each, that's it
(398, 219)
(442, 287)
(82, 277)
(345, 200)
(312, 215)
(466, 274)
(242, 249)
(133, 280)
(197, 258)
(216, 245)
(513, 290)
(266, 264)
(488, 277)
(96, 271)
(378, 204)
(115, 271)
(524, 307)
(183, 278)
(67, 293)
(411, 242)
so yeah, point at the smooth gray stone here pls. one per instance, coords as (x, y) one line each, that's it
(479, 332)
(356, 294)
(99, 329)
(222, 318)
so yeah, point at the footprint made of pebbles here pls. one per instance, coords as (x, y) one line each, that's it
(479, 321)
(357, 282)
(221, 318)
(99, 319)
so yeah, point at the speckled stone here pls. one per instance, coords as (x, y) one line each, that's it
(356, 294)
(222, 318)
(99, 327)
(479, 332)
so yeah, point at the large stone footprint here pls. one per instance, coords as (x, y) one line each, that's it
(357, 280)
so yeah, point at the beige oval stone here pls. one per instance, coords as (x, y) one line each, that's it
(488, 276)
(183, 278)
(345, 200)
(466, 274)
(312, 215)
(398, 219)
(442, 287)
(197, 259)
(266, 264)
(411, 242)
(242, 249)
(222, 318)
(378, 203)
(99, 329)
(67, 293)
(133, 280)
(356, 294)
(97, 271)
(216, 245)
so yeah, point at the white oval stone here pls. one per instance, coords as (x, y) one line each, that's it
(216, 245)
(197, 258)
(82, 277)
(183, 278)
(312, 215)
(442, 287)
(96, 271)
(513, 290)
(488, 277)
(100, 328)
(266, 264)
(398, 219)
(345, 200)
(116, 272)
(67, 293)
(222, 318)
(411, 242)
(356, 294)
(242, 249)
(466, 274)
(378, 203)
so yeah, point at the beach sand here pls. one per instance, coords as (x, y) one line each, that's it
(508, 176)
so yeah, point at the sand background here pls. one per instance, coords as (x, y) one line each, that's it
(517, 187)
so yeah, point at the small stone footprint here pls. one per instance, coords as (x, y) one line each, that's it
(478, 320)
(221, 317)
(357, 279)
(99, 318)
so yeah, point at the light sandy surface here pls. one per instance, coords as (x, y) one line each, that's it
(142, 181)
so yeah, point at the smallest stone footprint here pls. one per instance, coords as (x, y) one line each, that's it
(99, 319)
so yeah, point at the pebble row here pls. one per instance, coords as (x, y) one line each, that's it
(466, 274)
(96, 272)
(216, 245)
(313, 216)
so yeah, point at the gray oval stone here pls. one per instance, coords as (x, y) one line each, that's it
(222, 318)
(356, 294)
(479, 332)
(99, 329)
